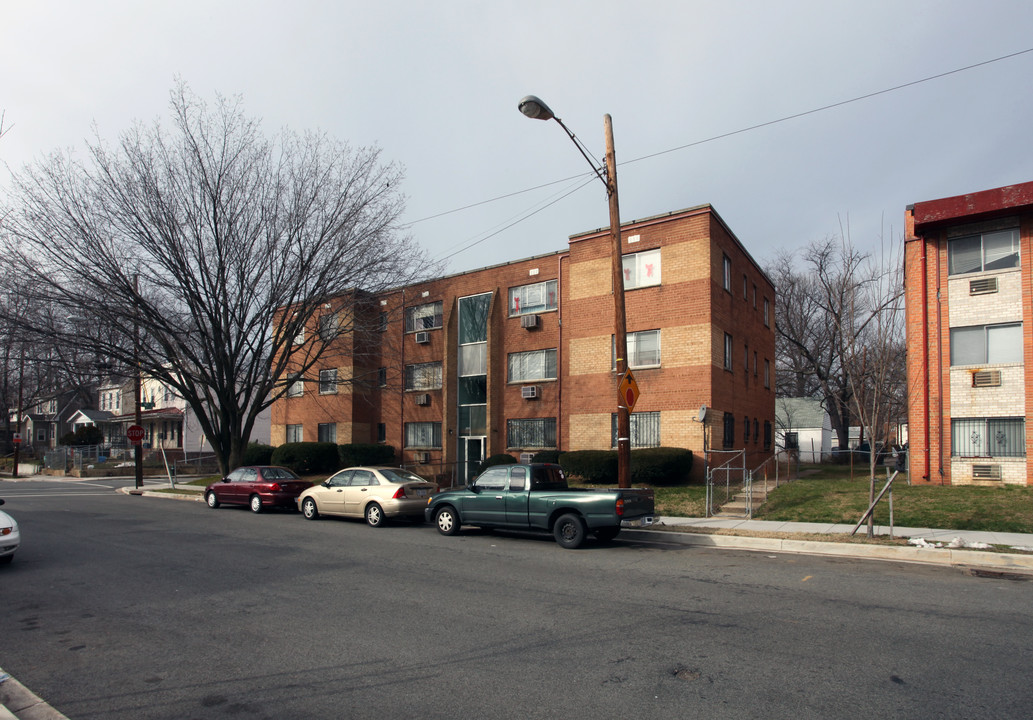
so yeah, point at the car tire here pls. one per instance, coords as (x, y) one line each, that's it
(256, 504)
(375, 515)
(569, 531)
(213, 502)
(606, 534)
(309, 509)
(446, 520)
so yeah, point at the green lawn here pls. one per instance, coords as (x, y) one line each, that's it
(821, 498)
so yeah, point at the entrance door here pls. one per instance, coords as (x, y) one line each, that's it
(473, 454)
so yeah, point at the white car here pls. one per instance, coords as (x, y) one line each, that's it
(9, 537)
(373, 493)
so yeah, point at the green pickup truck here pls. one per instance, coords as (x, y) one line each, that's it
(536, 497)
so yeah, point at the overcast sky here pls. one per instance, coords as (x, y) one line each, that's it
(435, 85)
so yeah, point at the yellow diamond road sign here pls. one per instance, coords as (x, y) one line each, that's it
(628, 390)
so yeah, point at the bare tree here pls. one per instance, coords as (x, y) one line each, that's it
(198, 254)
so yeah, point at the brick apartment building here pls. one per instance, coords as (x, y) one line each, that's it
(518, 357)
(969, 293)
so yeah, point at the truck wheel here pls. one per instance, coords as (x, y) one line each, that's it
(606, 534)
(569, 531)
(447, 521)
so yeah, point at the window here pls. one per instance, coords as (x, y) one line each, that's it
(534, 365)
(981, 344)
(382, 377)
(754, 297)
(988, 251)
(424, 376)
(767, 373)
(328, 432)
(641, 269)
(745, 431)
(727, 271)
(534, 298)
(756, 430)
(767, 313)
(754, 363)
(728, 436)
(423, 435)
(299, 338)
(473, 359)
(745, 285)
(295, 385)
(494, 479)
(381, 432)
(294, 433)
(643, 349)
(423, 317)
(728, 351)
(988, 437)
(328, 382)
(382, 325)
(767, 435)
(532, 433)
(329, 325)
(746, 358)
(645, 429)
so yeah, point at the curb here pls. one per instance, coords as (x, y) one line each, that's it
(932, 556)
(17, 702)
(178, 495)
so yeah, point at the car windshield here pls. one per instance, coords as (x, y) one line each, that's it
(397, 475)
(279, 474)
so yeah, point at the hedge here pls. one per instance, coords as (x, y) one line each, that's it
(366, 454)
(500, 459)
(307, 458)
(649, 466)
(258, 454)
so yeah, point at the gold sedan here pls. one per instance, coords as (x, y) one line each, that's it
(373, 493)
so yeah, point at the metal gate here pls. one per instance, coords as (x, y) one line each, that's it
(729, 484)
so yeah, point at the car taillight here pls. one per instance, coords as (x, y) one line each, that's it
(399, 494)
(275, 487)
(620, 506)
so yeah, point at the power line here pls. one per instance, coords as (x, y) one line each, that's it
(740, 131)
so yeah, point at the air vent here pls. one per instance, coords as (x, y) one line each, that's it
(422, 457)
(423, 337)
(526, 458)
(529, 322)
(529, 392)
(982, 286)
(986, 472)
(423, 399)
(986, 378)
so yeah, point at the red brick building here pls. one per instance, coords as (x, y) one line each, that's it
(969, 294)
(518, 357)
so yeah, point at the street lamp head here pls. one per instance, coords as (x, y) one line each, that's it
(533, 107)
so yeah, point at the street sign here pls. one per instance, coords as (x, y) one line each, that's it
(17, 438)
(628, 390)
(135, 434)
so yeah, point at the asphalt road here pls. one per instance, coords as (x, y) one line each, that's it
(121, 607)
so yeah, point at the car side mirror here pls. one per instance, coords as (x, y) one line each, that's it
(475, 489)
(225, 479)
(325, 483)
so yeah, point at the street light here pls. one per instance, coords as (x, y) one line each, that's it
(536, 109)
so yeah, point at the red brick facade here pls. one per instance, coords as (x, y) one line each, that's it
(679, 312)
(968, 278)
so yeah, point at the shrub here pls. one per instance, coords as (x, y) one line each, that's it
(500, 459)
(546, 456)
(598, 467)
(649, 466)
(258, 454)
(307, 458)
(84, 435)
(661, 466)
(365, 454)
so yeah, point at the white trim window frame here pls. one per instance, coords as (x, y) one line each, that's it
(533, 365)
(328, 381)
(533, 298)
(641, 269)
(423, 376)
(423, 317)
(643, 350)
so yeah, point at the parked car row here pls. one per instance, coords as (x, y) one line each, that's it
(372, 493)
(521, 497)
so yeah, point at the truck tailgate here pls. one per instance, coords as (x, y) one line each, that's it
(637, 502)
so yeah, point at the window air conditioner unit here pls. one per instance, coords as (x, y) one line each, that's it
(986, 378)
(986, 472)
(982, 286)
(423, 399)
(422, 457)
(529, 322)
(526, 458)
(423, 337)
(529, 392)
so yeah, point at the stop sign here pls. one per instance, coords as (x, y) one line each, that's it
(135, 434)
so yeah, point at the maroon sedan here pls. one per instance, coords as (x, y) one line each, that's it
(258, 487)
